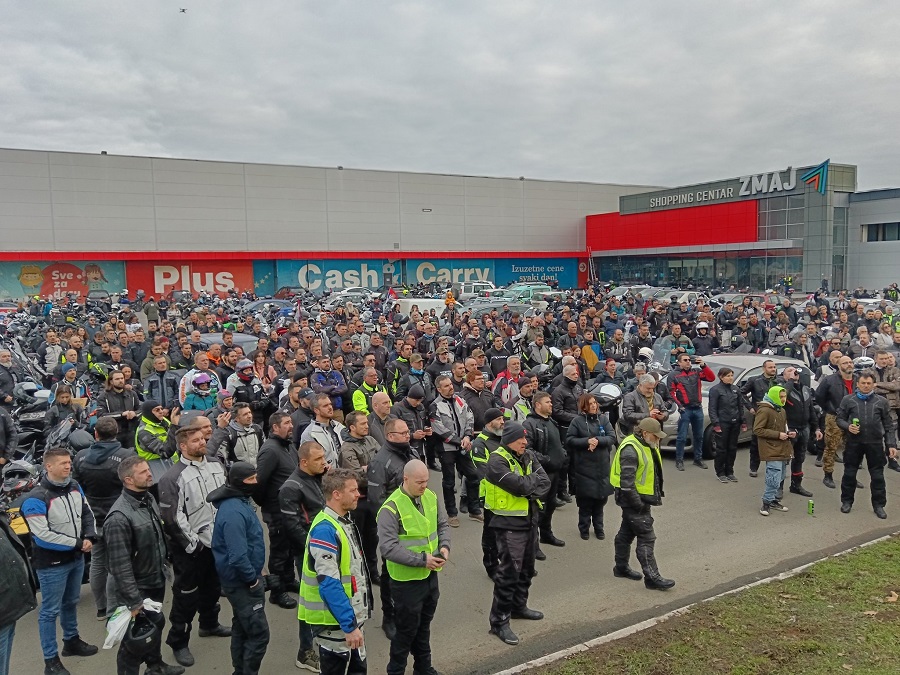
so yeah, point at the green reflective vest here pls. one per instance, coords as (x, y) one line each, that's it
(499, 501)
(362, 397)
(418, 531)
(645, 477)
(311, 608)
(158, 429)
(480, 456)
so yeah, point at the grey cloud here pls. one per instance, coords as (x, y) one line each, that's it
(655, 93)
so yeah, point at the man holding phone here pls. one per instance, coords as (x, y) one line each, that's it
(413, 553)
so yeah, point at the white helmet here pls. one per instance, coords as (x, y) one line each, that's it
(645, 354)
(702, 324)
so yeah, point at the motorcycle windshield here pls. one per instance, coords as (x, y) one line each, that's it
(662, 354)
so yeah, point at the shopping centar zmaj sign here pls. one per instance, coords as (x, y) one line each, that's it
(791, 180)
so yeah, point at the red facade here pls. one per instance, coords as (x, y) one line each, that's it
(729, 223)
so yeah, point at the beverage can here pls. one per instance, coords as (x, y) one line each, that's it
(810, 507)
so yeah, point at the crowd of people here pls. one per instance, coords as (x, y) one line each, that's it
(325, 434)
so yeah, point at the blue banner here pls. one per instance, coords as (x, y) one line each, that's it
(331, 274)
(511, 270)
(426, 271)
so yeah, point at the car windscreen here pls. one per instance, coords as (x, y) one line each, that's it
(714, 366)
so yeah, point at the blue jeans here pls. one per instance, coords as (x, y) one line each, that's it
(692, 416)
(774, 476)
(60, 591)
(6, 639)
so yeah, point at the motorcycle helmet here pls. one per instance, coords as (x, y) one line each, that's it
(19, 477)
(201, 379)
(607, 394)
(645, 354)
(100, 371)
(736, 341)
(702, 324)
(80, 439)
(244, 370)
(25, 391)
(142, 636)
(862, 363)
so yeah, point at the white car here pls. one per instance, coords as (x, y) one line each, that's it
(744, 366)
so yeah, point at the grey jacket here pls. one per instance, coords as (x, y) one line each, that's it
(182, 502)
(452, 420)
(634, 409)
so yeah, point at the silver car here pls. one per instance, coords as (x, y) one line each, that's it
(744, 366)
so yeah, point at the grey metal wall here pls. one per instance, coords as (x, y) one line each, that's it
(873, 265)
(56, 201)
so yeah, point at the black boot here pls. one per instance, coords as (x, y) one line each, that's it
(656, 582)
(893, 464)
(55, 667)
(78, 647)
(625, 572)
(505, 633)
(828, 481)
(798, 489)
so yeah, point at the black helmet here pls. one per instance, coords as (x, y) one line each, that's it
(736, 341)
(25, 391)
(607, 394)
(142, 637)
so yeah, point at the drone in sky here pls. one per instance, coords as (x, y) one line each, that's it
(183, 10)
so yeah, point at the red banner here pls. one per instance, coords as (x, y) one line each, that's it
(158, 278)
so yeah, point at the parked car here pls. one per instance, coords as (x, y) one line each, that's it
(744, 366)
(622, 291)
(471, 289)
(242, 340)
(356, 296)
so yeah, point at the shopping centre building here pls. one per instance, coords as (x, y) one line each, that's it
(73, 222)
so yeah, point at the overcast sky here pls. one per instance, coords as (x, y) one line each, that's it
(659, 93)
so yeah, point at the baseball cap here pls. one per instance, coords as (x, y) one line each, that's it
(652, 426)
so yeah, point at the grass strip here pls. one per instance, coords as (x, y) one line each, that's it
(841, 615)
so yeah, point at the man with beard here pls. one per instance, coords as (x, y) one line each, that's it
(801, 418)
(384, 475)
(301, 499)
(96, 470)
(122, 405)
(356, 453)
(452, 420)
(544, 441)
(413, 412)
(276, 462)
(137, 561)
(829, 394)
(482, 447)
(188, 519)
(514, 482)
(636, 475)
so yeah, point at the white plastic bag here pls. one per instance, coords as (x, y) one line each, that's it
(118, 623)
(116, 626)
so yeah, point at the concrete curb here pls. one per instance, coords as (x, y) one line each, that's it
(643, 625)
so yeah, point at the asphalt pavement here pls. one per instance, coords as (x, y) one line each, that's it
(710, 538)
